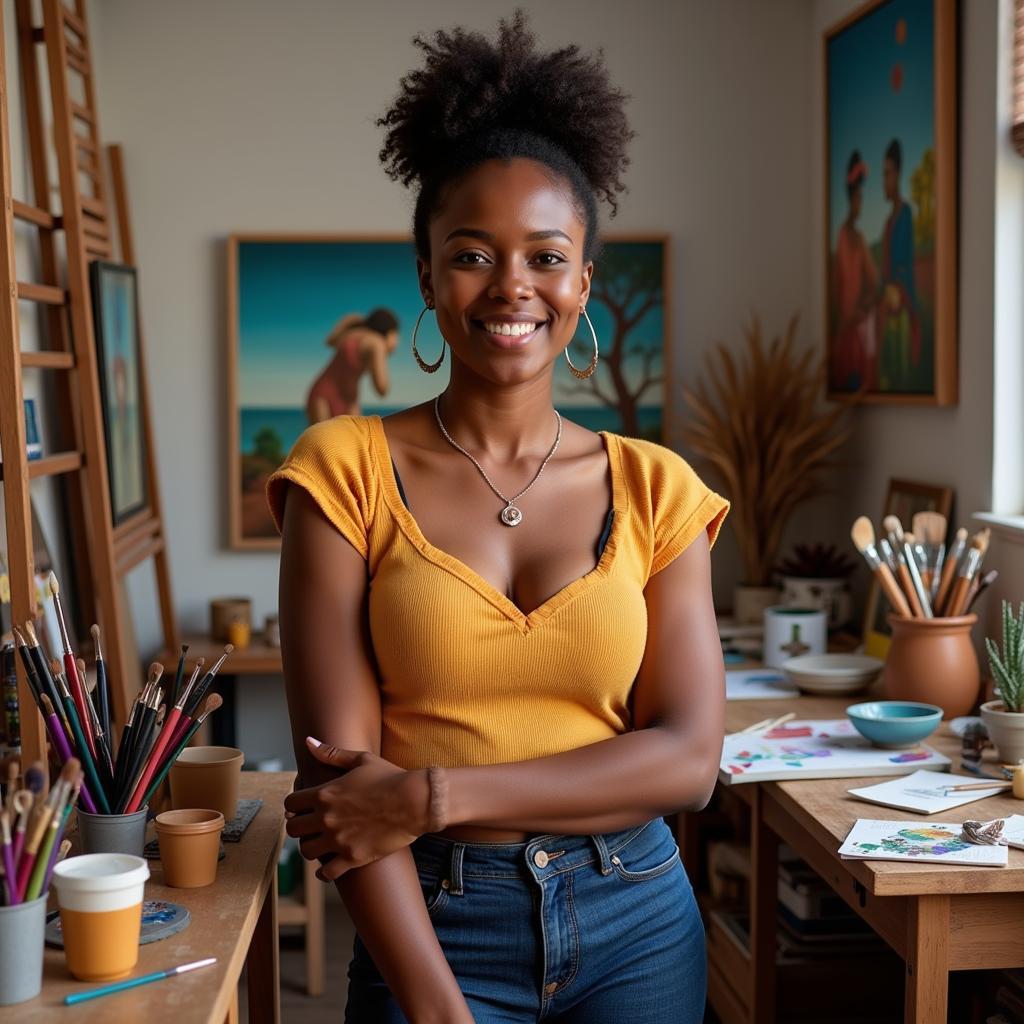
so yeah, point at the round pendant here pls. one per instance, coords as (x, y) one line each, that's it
(511, 516)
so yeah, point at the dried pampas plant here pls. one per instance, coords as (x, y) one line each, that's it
(757, 421)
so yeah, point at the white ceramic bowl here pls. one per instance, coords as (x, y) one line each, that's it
(833, 675)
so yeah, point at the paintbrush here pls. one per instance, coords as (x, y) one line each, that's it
(199, 692)
(144, 756)
(892, 526)
(82, 747)
(183, 720)
(175, 691)
(120, 986)
(35, 837)
(863, 534)
(980, 586)
(102, 685)
(163, 741)
(60, 741)
(930, 530)
(965, 576)
(909, 556)
(104, 759)
(125, 742)
(144, 737)
(156, 671)
(8, 858)
(47, 684)
(75, 685)
(213, 702)
(60, 851)
(949, 568)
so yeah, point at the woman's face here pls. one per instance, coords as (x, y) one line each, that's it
(506, 271)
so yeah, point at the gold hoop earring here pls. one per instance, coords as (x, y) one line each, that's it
(425, 366)
(584, 374)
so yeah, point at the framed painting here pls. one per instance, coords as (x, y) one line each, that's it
(904, 499)
(890, 203)
(299, 308)
(115, 316)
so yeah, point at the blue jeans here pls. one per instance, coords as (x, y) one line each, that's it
(574, 929)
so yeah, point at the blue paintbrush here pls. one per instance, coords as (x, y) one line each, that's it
(120, 986)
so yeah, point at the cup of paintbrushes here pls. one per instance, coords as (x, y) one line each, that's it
(113, 833)
(207, 777)
(100, 899)
(22, 928)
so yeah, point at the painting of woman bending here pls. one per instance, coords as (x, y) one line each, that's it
(891, 302)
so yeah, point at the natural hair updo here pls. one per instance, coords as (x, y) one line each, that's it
(475, 100)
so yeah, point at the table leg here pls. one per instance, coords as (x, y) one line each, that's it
(764, 913)
(232, 1017)
(263, 968)
(927, 985)
(313, 897)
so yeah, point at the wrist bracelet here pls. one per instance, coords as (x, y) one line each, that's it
(437, 810)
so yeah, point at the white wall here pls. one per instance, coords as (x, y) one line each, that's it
(248, 116)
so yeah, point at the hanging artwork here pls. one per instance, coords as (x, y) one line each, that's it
(320, 326)
(115, 315)
(890, 217)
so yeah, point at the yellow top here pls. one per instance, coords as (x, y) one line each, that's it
(466, 677)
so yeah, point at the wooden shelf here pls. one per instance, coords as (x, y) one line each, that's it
(48, 360)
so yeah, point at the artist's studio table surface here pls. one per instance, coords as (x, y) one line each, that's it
(234, 920)
(938, 918)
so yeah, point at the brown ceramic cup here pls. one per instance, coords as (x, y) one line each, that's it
(933, 661)
(207, 777)
(189, 846)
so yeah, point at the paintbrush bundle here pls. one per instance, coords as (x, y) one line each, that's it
(919, 574)
(32, 825)
(162, 720)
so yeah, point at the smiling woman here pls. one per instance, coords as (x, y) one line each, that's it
(499, 717)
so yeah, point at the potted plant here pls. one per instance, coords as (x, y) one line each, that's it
(817, 576)
(1004, 716)
(758, 421)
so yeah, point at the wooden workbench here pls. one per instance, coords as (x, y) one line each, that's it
(938, 918)
(234, 920)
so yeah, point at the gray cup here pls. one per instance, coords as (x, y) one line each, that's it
(113, 833)
(22, 930)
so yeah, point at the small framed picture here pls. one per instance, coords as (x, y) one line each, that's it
(119, 357)
(904, 499)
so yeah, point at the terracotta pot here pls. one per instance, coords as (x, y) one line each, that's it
(933, 661)
(1006, 730)
(189, 846)
(207, 777)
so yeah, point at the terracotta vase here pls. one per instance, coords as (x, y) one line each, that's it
(933, 661)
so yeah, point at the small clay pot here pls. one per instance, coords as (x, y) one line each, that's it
(933, 661)
(207, 777)
(189, 846)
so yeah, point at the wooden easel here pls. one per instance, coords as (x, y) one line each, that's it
(104, 555)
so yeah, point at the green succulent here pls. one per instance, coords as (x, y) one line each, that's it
(1008, 665)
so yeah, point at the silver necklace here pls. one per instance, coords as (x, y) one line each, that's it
(511, 514)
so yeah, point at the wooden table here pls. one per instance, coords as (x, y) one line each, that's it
(938, 918)
(234, 920)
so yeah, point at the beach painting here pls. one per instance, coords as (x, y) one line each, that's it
(890, 82)
(321, 326)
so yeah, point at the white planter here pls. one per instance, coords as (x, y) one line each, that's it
(831, 595)
(749, 603)
(1005, 729)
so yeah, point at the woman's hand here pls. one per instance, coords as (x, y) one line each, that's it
(372, 810)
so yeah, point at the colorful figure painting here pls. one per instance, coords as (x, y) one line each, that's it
(321, 327)
(890, 203)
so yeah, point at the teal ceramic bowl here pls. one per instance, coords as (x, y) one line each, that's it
(894, 724)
